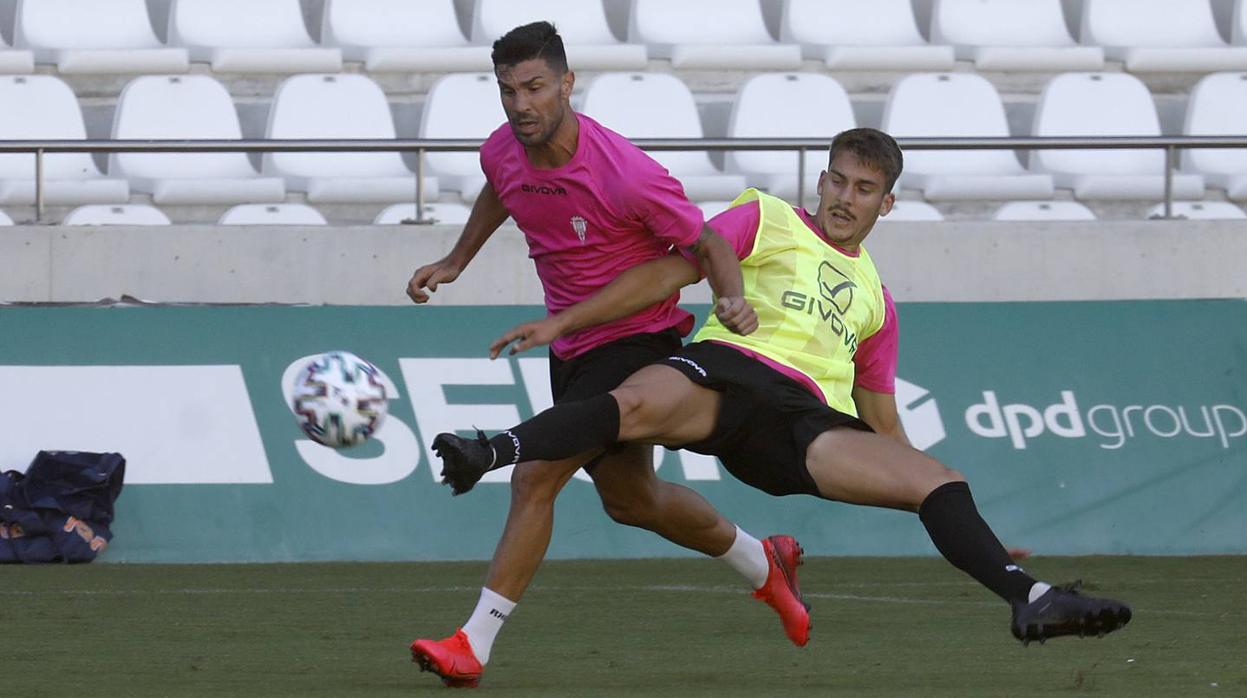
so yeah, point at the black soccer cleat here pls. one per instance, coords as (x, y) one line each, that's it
(1063, 611)
(464, 461)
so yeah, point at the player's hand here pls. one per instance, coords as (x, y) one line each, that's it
(429, 276)
(736, 314)
(526, 336)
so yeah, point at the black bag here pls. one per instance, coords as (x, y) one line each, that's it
(61, 508)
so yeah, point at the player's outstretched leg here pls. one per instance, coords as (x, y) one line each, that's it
(781, 590)
(451, 658)
(1064, 610)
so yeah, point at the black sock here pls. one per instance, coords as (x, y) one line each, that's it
(560, 432)
(963, 537)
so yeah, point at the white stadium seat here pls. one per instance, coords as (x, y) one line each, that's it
(908, 211)
(1011, 35)
(4, 219)
(1043, 211)
(401, 35)
(586, 35)
(185, 107)
(854, 35)
(14, 61)
(443, 213)
(272, 214)
(714, 34)
(1105, 104)
(249, 36)
(1218, 107)
(1199, 211)
(41, 107)
(659, 105)
(465, 105)
(332, 107)
(786, 105)
(1160, 35)
(958, 105)
(94, 36)
(123, 214)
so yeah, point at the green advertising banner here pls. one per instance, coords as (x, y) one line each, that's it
(1098, 427)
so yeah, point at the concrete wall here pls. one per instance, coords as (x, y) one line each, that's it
(370, 265)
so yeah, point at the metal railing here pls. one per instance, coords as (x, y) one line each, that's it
(1170, 144)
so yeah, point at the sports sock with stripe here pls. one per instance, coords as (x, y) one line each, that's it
(562, 431)
(482, 627)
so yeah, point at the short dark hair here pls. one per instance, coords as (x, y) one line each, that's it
(536, 40)
(873, 148)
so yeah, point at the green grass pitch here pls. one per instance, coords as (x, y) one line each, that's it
(882, 626)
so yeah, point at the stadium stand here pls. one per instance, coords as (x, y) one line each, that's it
(1238, 29)
(586, 34)
(851, 35)
(4, 219)
(1200, 210)
(657, 105)
(1043, 211)
(440, 212)
(400, 35)
(42, 107)
(249, 36)
(94, 37)
(338, 106)
(272, 214)
(1160, 35)
(714, 34)
(1105, 104)
(1011, 35)
(825, 111)
(461, 106)
(909, 210)
(186, 107)
(15, 61)
(124, 214)
(958, 104)
(1218, 106)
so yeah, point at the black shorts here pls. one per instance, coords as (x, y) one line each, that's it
(766, 419)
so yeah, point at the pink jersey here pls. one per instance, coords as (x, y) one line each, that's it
(875, 360)
(609, 208)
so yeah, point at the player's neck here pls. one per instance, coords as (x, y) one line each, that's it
(561, 147)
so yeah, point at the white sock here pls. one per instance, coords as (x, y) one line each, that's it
(747, 557)
(491, 611)
(1037, 589)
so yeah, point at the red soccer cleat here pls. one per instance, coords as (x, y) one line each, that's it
(451, 658)
(781, 592)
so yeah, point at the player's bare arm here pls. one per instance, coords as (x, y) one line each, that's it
(718, 259)
(486, 217)
(635, 289)
(879, 411)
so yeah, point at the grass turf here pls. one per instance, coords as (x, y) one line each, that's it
(882, 626)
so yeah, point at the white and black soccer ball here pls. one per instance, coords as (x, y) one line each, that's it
(339, 399)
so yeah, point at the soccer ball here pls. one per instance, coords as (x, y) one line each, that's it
(339, 399)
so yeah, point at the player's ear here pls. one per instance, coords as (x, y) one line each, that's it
(567, 84)
(886, 207)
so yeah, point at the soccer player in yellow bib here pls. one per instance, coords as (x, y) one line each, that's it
(785, 408)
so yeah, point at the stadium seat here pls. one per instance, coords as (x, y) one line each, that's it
(94, 36)
(185, 107)
(958, 105)
(249, 36)
(123, 214)
(4, 219)
(853, 35)
(465, 105)
(659, 105)
(1011, 35)
(1199, 211)
(1043, 211)
(824, 111)
(1218, 107)
(444, 213)
(1160, 35)
(401, 35)
(1105, 104)
(14, 61)
(1238, 30)
(908, 210)
(272, 214)
(338, 106)
(41, 107)
(586, 35)
(714, 34)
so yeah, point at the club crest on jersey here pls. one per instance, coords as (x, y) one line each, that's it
(581, 226)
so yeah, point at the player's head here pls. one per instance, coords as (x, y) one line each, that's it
(534, 81)
(857, 186)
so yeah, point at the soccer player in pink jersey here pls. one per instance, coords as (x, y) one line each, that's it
(591, 205)
(803, 405)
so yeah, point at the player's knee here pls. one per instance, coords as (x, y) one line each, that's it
(631, 507)
(635, 418)
(950, 475)
(535, 481)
